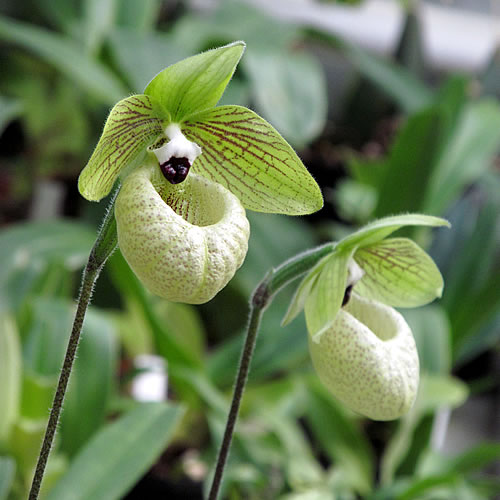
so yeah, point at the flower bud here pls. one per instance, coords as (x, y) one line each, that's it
(368, 359)
(184, 241)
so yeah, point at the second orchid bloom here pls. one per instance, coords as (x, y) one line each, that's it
(362, 349)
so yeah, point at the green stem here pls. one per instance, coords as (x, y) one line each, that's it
(272, 283)
(104, 246)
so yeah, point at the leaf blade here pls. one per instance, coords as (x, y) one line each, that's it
(66, 56)
(117, 456)
(7, 472)
(132, 125)
(245, 154)
(10, 375)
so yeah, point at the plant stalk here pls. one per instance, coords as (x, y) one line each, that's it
(270, 285)
(104, 246)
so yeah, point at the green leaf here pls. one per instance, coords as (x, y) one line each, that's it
(116, 457)
(185, 325)
(140, 55)
(9, 110)
(24, 442)
(91, 384)
(409, 92)
(241, 151)
(140, 16)
(7, 473)
(339, 437)
(93, 374)
(37, 395)
(132, 125)
(273, 239)
(10, 375)
(437, 391)
(301, 468)
(381, 228)
(468, 153)
(99, 16)
(405, 177)
(431, 328)
(196, 83)
(290, 92)
(66, 56)
(165, 342)
(398, 273)
(419, 487)
(63, 14)
(325, 299)
(45, 341)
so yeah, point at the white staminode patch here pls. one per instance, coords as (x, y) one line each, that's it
(178, 146)
(354, 273)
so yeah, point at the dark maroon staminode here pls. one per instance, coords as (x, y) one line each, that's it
(175, 170)
(347, 295)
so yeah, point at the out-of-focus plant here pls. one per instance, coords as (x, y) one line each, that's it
(294, 440)
(36, 285)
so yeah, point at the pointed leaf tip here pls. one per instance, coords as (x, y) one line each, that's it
(132, 125)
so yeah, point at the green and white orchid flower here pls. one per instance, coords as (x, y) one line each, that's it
(189, 170)
(362, 349)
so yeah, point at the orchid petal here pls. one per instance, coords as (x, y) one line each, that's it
(398, 273)
(132, 125)
(245, 154)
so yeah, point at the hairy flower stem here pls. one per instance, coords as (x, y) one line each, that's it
(104, 246)
(272, 283)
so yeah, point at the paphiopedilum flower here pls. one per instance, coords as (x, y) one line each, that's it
(189, 169)
(362, 349)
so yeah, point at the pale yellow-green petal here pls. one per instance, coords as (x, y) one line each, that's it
(398, 273)
(325, 299)
(132, 125)
(245, 154)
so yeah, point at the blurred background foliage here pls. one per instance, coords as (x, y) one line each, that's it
(380, 135)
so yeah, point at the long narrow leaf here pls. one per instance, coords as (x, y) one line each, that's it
(66, 56)
(119, 454)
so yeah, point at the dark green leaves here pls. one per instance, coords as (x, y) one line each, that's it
(119, 454)
(67, 56)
